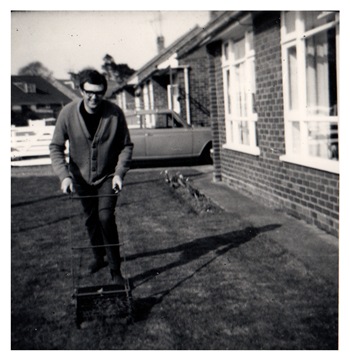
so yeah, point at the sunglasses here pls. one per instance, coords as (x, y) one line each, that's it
(92, 93)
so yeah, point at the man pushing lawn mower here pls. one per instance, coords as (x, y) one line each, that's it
(100, 152)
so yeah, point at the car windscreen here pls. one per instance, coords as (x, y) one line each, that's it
(153, 121)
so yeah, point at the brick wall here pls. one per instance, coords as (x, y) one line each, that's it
(306, 193)
(199, 84)
(216, 104)
(160, 95)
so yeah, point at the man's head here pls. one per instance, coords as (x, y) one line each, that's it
(93, 86)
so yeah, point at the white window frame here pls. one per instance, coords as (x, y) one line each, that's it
(149, 103)
(232, 118)
(297, 39)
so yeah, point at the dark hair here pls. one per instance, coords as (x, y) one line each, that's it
(93, 77)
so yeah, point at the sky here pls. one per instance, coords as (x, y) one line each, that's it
(65, 41)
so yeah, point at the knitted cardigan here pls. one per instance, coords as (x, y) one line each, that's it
(91, 160)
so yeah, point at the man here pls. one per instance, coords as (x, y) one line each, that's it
(100, 152)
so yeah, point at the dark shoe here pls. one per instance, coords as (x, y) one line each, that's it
(117, 278)
(96, 265)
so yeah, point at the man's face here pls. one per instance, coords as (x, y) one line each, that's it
(92, 95)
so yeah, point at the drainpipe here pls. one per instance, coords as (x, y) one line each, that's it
(187, 94)
(171, 88)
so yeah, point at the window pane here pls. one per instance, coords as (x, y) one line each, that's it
(296, 137)
(236, 94)
(292, 78)
(239, 93)
(333, 141)
(244, 89)
(290, 21)
(313, 19)
(243, 129)
(226, 51)
(321, 74)
(230, 132)
(252, 86)
(323, 140)
(239, 49)
(250, 40)
(228, 91)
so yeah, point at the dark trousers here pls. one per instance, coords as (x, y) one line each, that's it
(100, 212)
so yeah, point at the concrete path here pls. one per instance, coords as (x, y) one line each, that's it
(315, 248)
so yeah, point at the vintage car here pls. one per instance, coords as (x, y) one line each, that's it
(163, 134)
(156, 134)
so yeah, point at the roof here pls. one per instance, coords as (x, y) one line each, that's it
(146, 70)
(213, 28)
(112, 86)
(44, 92)
(66, 86)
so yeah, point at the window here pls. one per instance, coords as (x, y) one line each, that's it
(29, 88)
(239, 93)
(161, 121)
(309, 58)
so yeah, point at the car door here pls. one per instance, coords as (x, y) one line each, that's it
(166, 137)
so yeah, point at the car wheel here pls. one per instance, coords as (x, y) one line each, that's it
(207, 156)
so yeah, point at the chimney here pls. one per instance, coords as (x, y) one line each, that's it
(160, 43)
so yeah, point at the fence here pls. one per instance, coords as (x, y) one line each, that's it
(30, 145)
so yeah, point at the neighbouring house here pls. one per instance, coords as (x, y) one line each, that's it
(273, 102)
(165, 83)
(33, 97)
(125, 97)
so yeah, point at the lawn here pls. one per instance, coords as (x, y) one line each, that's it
(203, 278)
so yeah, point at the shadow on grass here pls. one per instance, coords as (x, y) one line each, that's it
(43, 199)
(189, 252)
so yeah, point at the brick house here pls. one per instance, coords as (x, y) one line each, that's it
(273, 80)
(165, 83)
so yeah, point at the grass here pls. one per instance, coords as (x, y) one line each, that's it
(202, 279)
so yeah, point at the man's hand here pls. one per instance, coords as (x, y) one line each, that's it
(117, 183)
(67, 185)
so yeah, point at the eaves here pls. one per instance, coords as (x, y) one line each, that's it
(208, 34)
